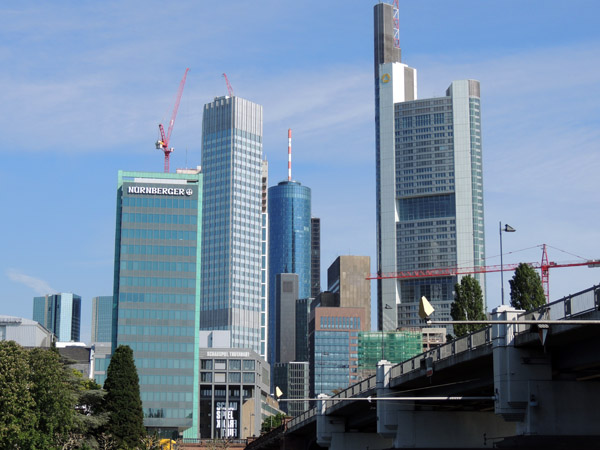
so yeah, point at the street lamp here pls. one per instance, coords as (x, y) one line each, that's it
(507, 229)
(382, 331)
(321, 372)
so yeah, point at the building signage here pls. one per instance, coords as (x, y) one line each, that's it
(385, 78)
(159, 190)
(228, 354)
(227, 415)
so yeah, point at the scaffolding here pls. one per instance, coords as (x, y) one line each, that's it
(394, 346)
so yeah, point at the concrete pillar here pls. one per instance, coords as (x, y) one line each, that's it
(515, 368)
(327, 425)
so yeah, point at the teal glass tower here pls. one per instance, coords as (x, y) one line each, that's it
(102, 318)
(290, 246)
(156, 306)
(59, 313)
(232, 243)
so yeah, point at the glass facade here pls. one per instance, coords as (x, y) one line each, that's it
(232, 220)
(315, 257)
(157, 290)
(102, 318)
(290, 243)
(61, 314)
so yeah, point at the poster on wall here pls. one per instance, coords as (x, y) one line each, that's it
(227, 415)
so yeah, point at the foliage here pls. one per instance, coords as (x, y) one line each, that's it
(17, 418)
(90, 418)
(467, 305)
(272, 422)
(122, 401)
(526, 291)
(53, 395)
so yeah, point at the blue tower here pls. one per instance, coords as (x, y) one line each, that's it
(290, 240)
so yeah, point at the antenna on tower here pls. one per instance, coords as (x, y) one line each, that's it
(229, 88)
(289, 154)
(396, 9)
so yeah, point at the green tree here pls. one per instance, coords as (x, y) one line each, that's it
(272, 422)
(53, 395)
(17, 417)
(122, 401)
(526, 291)
(467, 305)
(90, 419)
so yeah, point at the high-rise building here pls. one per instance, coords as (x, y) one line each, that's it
(286, 296)
(292, 379)
(59, 313)
(264, 264)
(315, 256)
(102, 318)
(429, 183)
(347, 276)
(232, 220)
(157, 292)
(290, 243)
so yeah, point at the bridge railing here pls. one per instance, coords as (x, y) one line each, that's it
(572, 305)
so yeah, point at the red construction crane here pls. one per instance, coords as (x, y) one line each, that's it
(163, 143)
(544, 266)
(229, 88)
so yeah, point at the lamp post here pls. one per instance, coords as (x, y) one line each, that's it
(507, 229)
(321, 372)
(382, 333)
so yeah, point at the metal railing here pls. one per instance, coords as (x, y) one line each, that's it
(567, 307)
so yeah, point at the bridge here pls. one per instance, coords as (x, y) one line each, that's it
(508, 385)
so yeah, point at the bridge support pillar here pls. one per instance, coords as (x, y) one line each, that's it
(327, 425)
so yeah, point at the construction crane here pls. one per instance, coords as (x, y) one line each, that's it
(229, 88)
(544, 267)
(163, 142)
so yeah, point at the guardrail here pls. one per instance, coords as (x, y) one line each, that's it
(580, 303)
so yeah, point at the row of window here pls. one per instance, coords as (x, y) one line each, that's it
(231, 377)
(152, 202)
(179, 235)
(169, 380)
(166, 396)
(158, 266)
(164, 363)
(160, 314)
(157, 250)
(140, 297)
(169, 413)
(156, 330)
(177, 219)
(342, 323)
(164, 347)
(221, 364)
(158, 282)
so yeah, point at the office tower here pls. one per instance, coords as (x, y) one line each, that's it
(333, 343)
(302, 315)
(315, 256)
(264, 265)
(157, 291)
(60, 314)
(292, 378)
(429, 184)
(286, 295)
(102, 318)
(231, 224)
(290, 243)
(347, 276)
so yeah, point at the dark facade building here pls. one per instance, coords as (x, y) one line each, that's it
(286, 295)
(315, 256)
(292, 379)
(347, 276)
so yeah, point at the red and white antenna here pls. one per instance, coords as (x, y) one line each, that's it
(289, 154)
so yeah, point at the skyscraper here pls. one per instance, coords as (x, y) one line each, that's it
(59, 313)
(347, 276)
(102, 318)
(429, 183)
(315, 256)
(232, 220)
(290, 243)
(264, 264)
(157, 291)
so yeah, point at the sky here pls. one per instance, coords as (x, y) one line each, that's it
(86, 83)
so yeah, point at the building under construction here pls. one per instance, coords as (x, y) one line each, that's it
(393, 346)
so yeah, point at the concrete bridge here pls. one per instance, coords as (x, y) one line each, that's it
(508, 385)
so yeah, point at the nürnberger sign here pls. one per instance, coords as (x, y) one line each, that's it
(159, 190)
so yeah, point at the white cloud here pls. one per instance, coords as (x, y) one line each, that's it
(40, 287)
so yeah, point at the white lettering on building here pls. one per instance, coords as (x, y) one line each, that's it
(159, 190)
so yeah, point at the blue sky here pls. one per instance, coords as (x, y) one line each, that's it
(85, 85)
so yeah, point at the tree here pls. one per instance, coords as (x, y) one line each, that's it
(467, 305)
(17, 417)
(53, 395)
(122, 401)
(526, 291)
(272, 422)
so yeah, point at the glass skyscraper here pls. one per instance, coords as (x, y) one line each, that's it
(59, 313)
(102, 318)
(290, 244)
(429, 184)
(232, 243)
(157, 291)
